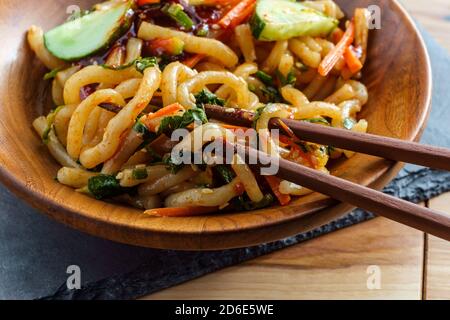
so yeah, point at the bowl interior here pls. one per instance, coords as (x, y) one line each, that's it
(397, 75)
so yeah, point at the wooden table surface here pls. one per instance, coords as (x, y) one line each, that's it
(378, 259)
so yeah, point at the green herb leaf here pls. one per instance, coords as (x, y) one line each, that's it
(174, 168)
(140, 64)
(207, 97)
(50, 120)
(139, 174)
(258, 114)
(144, 63)
(105, 186)
(225, 173)
(170, 124)
(243, 203)
(271, 94)
(51, 74)
(264, 77)
(142, 129)
(290, 79)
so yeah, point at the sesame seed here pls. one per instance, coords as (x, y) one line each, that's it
(207, 191)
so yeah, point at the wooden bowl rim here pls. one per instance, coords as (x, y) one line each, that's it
(121, 230)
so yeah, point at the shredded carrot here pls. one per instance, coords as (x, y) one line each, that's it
(346, 74)
(285, 139)
(141, 3)
(233, 127)
(309, 159)
(337, 52)
(194, 60)
(241, 11)
(180, 212)
(274, 183)
(297, 152)
(164, 112)
(352, 60)
(167, 111)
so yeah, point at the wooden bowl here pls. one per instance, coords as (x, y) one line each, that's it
(397, 74)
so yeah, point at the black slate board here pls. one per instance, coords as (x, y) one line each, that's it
(36, 251)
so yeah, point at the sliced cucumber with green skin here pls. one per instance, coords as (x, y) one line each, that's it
(89, 34)
(283, 19)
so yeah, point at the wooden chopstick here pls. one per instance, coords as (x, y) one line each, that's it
(388, 148)
(421, 218)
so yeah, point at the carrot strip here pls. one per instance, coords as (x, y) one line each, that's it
(274, 183)
(194, 60)
(164, 112)
(180, 212)
(141, 3)
(352, 60)
(289, 141)
(337, 52)
(237, 14)
(233, 127)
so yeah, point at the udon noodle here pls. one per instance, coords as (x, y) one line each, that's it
(114, 114)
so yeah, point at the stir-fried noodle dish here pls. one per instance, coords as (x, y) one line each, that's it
(127, 75)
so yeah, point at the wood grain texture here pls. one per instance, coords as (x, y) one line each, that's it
(330, 267)
(437, 274)
(26, 167)
(421, 218)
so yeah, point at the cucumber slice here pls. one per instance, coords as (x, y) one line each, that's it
(284, 19)
(89, 34)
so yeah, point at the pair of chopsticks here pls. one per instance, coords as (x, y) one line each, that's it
(424, 219)
(384, 147)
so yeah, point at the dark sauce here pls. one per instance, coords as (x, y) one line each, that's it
(202, 16)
